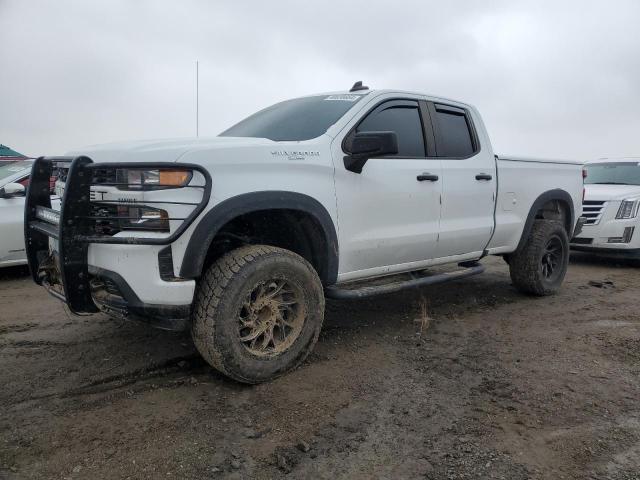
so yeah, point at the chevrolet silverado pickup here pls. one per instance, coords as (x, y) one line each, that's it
(240, 237)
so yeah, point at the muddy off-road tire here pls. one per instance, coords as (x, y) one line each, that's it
(539, 267)
(258, 313)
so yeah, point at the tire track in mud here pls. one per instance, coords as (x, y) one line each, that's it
(34, 343)
(13, 328)
(184, 364)
(189, 364)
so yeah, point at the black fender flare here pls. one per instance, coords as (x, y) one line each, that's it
(213, 220)
(548, 196)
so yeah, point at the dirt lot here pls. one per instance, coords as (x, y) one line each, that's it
(496, 385)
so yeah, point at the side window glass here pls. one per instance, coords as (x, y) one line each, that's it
(454, 137)
(404, 120)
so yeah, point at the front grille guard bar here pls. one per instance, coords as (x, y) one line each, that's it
(73, 230)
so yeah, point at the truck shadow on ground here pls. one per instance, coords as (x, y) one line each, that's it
(588, 259)
(14, 273)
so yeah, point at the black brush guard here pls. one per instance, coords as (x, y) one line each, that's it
(65, 275)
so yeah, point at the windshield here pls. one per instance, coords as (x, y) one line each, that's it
(614, 173)
(8, 169)
(295, 120)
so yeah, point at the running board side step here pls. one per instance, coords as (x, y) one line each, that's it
(470, 269)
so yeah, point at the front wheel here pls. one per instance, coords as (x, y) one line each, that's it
(258, 313)
(539, 267)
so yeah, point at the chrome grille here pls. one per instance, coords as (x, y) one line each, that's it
(61, 173)
(100, 175)
(593, 210)
(105, 217)
(104, 175)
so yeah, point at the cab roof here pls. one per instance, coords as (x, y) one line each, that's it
(377, 92)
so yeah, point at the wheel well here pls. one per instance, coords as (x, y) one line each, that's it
(556, 210)
(552, 205)
(293, 230)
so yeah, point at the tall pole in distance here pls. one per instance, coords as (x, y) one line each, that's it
(197, 100)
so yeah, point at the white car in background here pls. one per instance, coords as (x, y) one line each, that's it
(611, 201)
(14, 176)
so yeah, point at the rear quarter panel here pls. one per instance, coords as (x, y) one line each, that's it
(520, 183)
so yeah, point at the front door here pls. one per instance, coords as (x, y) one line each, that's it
(388, 215)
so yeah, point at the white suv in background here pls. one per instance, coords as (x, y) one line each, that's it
(611, 201)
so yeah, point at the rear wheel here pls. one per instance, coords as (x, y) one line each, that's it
(539, 267)
(258, 313)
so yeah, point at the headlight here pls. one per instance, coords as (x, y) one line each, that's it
(157, 179)
(112, 219)
(628, 209)
(143, 218)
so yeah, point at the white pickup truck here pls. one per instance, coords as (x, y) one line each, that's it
(240, 237)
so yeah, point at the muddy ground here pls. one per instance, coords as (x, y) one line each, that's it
(493, 384)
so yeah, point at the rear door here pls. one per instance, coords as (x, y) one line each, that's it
(468, 182)
(389, 213)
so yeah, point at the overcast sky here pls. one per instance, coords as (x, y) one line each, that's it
(551, 78)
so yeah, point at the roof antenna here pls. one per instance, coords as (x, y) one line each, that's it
(358, 86)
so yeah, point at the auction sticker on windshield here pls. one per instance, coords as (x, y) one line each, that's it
(343, 98)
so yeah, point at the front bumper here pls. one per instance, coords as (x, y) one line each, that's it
(606, 235)
(113, 295)
(58, 246)
(617, 240)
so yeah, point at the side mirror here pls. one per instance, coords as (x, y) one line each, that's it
(366, 145)
(11, 190)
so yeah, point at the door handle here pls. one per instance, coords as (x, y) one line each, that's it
(483, 176)
(427, 176)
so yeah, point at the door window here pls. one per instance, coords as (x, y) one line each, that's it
(403, 118)
(453, 133)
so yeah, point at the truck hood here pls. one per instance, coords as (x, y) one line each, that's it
(163, 150)
(611, 192)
